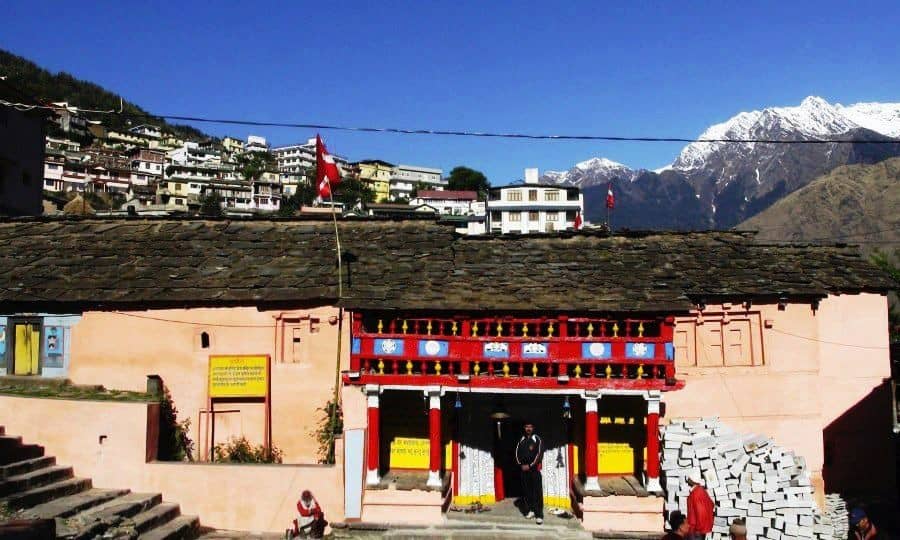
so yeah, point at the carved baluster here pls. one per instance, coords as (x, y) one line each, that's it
(380, 366)
(404, 327)
(367, 365)
(474, 328)
(550, 329)
(437, 367)
(453, 328)
(409, 367)
(380, 325)
(590, 329)
(428, 328)
(477, 368)
(505, 368)
(499, 329)
(608, 371)
(640, 371)
(396, 367)
(641, 329)
(534, 369)
(521, 369)
(593, 370)
(577, 371)
(615, 329)
(524, 329)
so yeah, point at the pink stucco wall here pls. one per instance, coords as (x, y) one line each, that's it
(821, 379)
(120, 350)
(236, 497)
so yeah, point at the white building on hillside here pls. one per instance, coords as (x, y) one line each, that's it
(446, 202)
(255, 143)
(404, 178)
(533, 207)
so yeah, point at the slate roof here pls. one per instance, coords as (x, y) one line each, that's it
(96, 263)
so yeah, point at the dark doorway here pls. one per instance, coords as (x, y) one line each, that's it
(505, 456)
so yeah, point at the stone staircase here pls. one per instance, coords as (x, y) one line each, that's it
(33, 486)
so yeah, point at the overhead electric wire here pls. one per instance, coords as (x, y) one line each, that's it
(454, 133)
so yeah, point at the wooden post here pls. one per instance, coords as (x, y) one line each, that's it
(434, 437)
(373, 445)
(652, 484)
(591, 436)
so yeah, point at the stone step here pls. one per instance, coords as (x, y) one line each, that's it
(155, 516)
(179, 528)
(125, 506)
(21, 452)
(74, 504)
(34, 479)
(39, 495)
(24, 466)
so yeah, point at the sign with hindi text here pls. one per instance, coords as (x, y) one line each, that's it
(410, 453)
(245, 376)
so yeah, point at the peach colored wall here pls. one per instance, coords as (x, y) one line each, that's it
(817, 366)
(119, 351)
(623, 513)
(218, 493)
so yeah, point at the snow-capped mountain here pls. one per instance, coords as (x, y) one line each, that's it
(733, 181)
(813, 118)
(591, 172)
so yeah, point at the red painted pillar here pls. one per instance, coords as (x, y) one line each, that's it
(591, 436)
(373, 445)
(434, 437)
(653, 484)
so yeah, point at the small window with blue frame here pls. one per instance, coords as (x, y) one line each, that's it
(54, 346)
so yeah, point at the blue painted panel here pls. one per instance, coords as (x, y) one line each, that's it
(596, 349)
(389, 347)
(639, 350)
(3, 339)
(433, 347)
(534, 350)
(670, 351)
(356, 346)
(496, 350)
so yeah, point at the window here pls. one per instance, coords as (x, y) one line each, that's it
(177, 187)
(514, 195)
(52, 166)
(533, 216)
(496, 216)
(552, 216)
(532, 195)
(552, 195)
(204, 340)
(179, 202)
(515, 216)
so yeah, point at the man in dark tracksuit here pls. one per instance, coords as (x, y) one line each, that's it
(529, 453)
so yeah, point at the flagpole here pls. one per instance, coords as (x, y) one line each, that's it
(337, 367)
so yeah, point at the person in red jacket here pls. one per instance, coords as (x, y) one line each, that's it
(311, 521)
(699, 508)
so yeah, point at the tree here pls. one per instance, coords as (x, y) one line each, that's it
(466, 179)
(885, 262)
(253, 164)
(352, 191)
(211, 205)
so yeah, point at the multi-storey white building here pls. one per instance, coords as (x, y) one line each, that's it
(146, 165)
(147, 131)
(533, 207)
(190, 153)
(255, 143)
(405, 178)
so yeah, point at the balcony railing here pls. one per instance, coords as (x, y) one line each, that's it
(611, 350)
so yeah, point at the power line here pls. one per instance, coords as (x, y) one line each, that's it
(454, 133)
(829, 342)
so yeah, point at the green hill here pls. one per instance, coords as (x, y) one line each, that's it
(26, 81)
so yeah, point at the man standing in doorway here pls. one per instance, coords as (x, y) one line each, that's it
(529, 453)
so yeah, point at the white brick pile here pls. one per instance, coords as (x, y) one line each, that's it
(747, 476)
(836, 509)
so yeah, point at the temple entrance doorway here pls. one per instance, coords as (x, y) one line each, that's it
(490, 427)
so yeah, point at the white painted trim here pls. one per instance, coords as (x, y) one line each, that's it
(372, 478)
(591, 483)
(372, 401)
(590, 404)
(434, 479)
(653, 406)
(434, 401)
(653, 485)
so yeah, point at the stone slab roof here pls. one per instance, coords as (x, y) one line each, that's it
(94, 263)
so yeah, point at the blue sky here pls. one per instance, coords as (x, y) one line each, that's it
(607, 68)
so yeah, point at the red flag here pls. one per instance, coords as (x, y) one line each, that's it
(577, 220)
(327, 173)
(610, 199)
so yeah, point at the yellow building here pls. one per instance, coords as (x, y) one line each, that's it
(377, 174)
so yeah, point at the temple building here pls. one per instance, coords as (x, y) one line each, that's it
(444, 345)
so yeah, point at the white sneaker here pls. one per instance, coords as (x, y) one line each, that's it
(539, 521)
(529, 515)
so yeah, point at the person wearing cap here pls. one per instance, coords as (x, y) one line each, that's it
(678, 527)
(862, 526)
(738, 529)
(311, 520)
(529, 453)
(699, 507)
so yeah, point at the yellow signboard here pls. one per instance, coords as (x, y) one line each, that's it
(409, 453)
(615, 458)
(238, 376)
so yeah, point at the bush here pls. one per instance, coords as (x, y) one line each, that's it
(330, 424)
(240, 450)
(174, 442)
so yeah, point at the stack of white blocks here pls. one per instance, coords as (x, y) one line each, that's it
(747, 476)
(836, 509)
